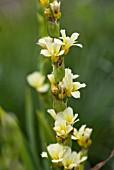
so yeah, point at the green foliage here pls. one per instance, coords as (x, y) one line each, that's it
(12, 145)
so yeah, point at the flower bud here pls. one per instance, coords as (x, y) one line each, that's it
(55, 7)
(47, 12)
(54, 90)
(51, 78)
(61, 95)
(44, 3)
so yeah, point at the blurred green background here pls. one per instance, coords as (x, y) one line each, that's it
(19, 32)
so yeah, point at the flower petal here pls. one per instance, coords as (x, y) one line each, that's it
(44, 155)
(83, 159)
(42, 42)
(35, 79)
(75, 76)
(79, 45)
(51, 78)
(76, 94)
(69, 128)
(45, 53)
(74, 36)
(81, 130)
(57, 160)
(78, 85)
(75, 116)
(68, 113)
(52, 113)
(61, 52)
(63, 34)
(57, 41)
(60, 115)
(73, 137)
(43, 88)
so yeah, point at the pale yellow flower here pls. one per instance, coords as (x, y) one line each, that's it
(53, 49)
(36, 80)
(69, 41)
(83, 136)
(71, 88)
(68, 116)
(43, 41)
(62, 128)
(69, 159)
(56, 151)
(55, 7)
(44, 3)
(76, 86)
(72, 159)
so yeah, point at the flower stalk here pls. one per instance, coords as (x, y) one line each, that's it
(54, 47)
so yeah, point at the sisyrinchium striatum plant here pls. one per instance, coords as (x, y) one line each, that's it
(50, 133)
(55, 45)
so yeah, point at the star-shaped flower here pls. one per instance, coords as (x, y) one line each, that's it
(72, 159)
(71, 88)
(62, 128)
(69, 41)
(53, 50)
(83, 136)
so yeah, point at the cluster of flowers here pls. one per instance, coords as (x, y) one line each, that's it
(66, 87)
(64, 121)
(52, 8)
(56, 48)
(62, 155)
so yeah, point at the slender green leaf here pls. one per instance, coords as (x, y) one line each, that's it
(45, 125)
(14, 142)
(30, 122)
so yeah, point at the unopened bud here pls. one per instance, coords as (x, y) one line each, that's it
(44, 3)
(55, 7)
(47, 12)
(61, 95)
(54, 90)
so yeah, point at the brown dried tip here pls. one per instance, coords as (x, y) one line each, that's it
(101, 164)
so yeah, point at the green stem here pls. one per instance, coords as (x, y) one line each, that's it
(85, 152)
(59, 73)
(59, 70)
(82, 166)
(68, 142)
(59, 105)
